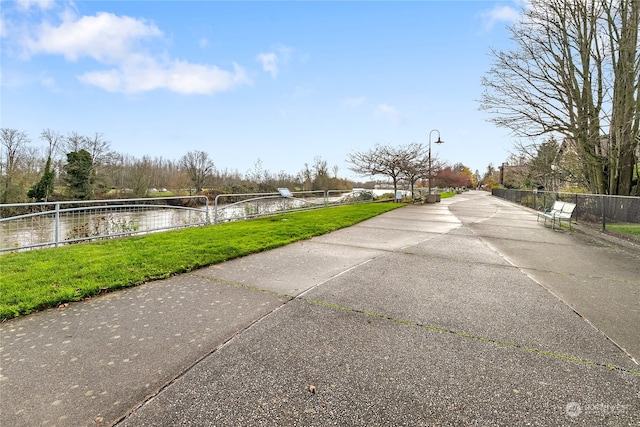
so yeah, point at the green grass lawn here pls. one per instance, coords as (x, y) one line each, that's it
(630, 229)
(38, 279)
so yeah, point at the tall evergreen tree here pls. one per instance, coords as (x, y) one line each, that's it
(42, 189)
(78, 174)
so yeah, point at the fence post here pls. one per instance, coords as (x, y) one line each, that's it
(215, 209)
(206, 205)
(57, 226)
(604, 223)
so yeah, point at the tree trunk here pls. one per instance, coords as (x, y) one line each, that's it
(623, 24)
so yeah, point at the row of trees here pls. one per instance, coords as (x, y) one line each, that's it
(573, 78)
(410, 164)
(553, 167)
(78, 167)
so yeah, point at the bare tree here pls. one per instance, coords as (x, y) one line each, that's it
(394, 162)
(416, 165)
(555, 81)
(321, 171)
(376, 161)
(53, 140)
(257, 174)
(623, 21)
(99, 148)
(14, 142)
(31, 161)
(306, 177)
(74, 142)
(140, 177)
(543, 167)
(199, 168)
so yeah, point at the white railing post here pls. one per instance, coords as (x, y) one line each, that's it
(57, 226)
(206, 217)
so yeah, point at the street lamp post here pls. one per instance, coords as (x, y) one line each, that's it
(439, 141)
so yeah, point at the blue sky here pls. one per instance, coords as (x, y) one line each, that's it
(282, 82)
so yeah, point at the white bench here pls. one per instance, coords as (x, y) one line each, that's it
(560, 211)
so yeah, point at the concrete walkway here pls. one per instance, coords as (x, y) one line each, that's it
(467, 312)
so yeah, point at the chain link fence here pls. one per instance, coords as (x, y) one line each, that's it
(595, 209)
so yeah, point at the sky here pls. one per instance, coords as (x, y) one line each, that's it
(279, 82)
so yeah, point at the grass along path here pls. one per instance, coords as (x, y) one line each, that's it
(39, 279)
(629, 229)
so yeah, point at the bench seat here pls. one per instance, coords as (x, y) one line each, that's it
(560, 211)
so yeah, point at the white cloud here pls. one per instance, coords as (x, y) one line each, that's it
(391, 113)
(117, 41)
(269, 63)
(177, 76)
(504, 14)
(104, 37)
(111, 81)
(41, 4)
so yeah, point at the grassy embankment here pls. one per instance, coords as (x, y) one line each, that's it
(631, 230)
(35, 280)
(446, 195)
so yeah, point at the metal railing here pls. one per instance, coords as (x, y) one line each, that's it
(597, 209)
(232, 207)
(32, 225)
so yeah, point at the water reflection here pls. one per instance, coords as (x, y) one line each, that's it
(81, 224)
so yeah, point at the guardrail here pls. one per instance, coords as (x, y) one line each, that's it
(32, 225)
(253, 205)
(595, 209)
